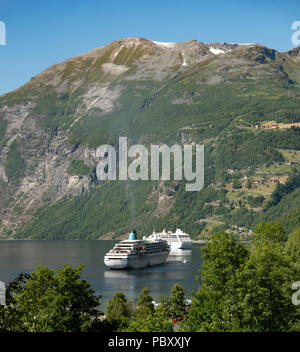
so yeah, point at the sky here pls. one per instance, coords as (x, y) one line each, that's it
(40, 33)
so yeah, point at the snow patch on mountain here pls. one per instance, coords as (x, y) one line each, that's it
(216, 51)
(242, 43)
(166, 45)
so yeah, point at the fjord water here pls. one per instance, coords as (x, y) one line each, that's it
(24, 256)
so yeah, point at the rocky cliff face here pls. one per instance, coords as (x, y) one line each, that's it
(45, 178)
(64, 113)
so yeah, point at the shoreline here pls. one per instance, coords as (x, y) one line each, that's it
(199, 241)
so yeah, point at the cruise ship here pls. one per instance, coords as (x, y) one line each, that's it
(176, 240)
(137, 254)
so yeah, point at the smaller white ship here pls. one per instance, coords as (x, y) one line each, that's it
(176, 240)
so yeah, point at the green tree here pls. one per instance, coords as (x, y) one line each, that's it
(292, 246)
(292, 250)
(270, 232)
(157, 321)
(177, 305)
(222, 256)
(258, 296)
(118, 311)
(245, 291)
(9, 314)
(144, 302)
(46, 301)
(148, 319)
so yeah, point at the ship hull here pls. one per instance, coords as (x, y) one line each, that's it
(180, 245)
(116, 263)
(158, 259)
(138, 262)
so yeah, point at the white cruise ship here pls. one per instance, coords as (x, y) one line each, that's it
(136, 254)
(176, 240)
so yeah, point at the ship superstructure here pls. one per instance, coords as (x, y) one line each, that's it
(176, 240)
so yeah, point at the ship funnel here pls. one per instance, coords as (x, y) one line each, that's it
(132, 236)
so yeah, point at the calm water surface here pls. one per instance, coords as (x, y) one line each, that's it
(24, 256)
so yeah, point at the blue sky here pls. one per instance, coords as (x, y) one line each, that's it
(44, 32)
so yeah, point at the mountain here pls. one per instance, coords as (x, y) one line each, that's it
(240, 100)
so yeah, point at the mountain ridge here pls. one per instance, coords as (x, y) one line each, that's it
(131, 41)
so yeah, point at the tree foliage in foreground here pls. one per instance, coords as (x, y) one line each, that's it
(177, 306)
(245, 289)
(148, 319)
(118, 311)
(292, 247)
(45, 301)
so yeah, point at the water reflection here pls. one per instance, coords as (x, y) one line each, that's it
(180, 255)
(117, 274)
